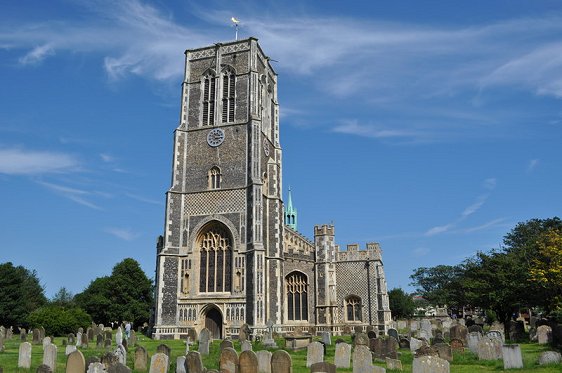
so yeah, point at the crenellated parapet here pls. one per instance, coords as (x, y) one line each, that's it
(353, 252)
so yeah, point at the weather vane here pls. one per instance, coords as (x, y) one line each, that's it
(236, 22)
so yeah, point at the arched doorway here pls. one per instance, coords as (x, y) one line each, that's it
(213, 322)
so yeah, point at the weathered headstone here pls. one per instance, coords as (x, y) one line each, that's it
(404, 343)
(326, 338)
(107, 343)
(46, 341)
(473, 339)
(246, 346)
(475, 328)
(393, 364)
(119, 368)
(457, 345)
(426, 351)
(402, 324)
(544, 334)
(281, 362)
(486, 349)
(71, 339)
(264, 361)
(121, 354)
(92, 359)
(459, 332)
(193, 362)
(107, 334)
(444, 351)
(496, 334)
(228, 360)
(78, 339)
(226, 343)
(415, 344)
(269, 342)
(164, 349)
(109, 359)
(550, 357)
(23, 335)
(85, 340)
(393, 333)
(36, 336)
(159, 363)
(244, 333)
(314, 353)
(141, 358)
(361, 339)
(516, 330)
(44, 368)
(50, 356)
(133, 339)
(119, 336)
(342, 358)
(41, 333)
(204, 341)
(99, 341)
(430, 364)
(69, 349)
(96, 367)
(323, 367)
(75, 362)
(248, 362)
(90, 333)
(362, 359)
(180, 364)
(24, 357)
(346, 330)
(512, 358)
(425, 325)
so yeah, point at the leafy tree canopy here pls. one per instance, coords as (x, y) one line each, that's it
(401, 304)
(440, 285)
(20, 293)
(58, 320)
(125, 295)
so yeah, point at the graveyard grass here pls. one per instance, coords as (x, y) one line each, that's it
(463, 363)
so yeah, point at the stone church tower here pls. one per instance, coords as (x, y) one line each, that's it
(219, 263)
(231, 254)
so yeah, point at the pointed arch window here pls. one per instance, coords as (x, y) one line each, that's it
(209, 83)
(297, 297)
(214, 178)
(216, 260)
(353, 308)
(228, 90)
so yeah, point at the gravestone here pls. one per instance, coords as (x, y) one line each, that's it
(80, 330)
(424, 334)
(248, 362)
(512, 358)
(46, 342)
(246, 346)
(383, 348)
(361, 339)
(459, 332)
(496, 334)
(141, 358)
(180, 364)
(402, 324)
(473, 339)
(193, 362)
(96, 367)
(264, 361)
(244, 333)
(164, 349)
(342, 358)
(371, 334)
(23, 335)
(71, 339)
(121, 354)
(119, 368)
(228, 362)
(314, 353)
(281, 362)
(393, 333)
(358, 329)
(323, 367)
(119, 336)
(415, 344)
(430, 364)
(159, 363)
(269, 342)
(69, 349)
(133, 339)
(404, 343)
(107, 343)
(544, 334)
(109, 359)
(444, 351)
(50, 356)
(326, 338)
(85, 341)
(550, 357)
(393, 364)
(414, 325)
(107, 334)
(516, 330)
(90, 333)
(44, 368)
(425, 326)
(41, 333)
(226, 343)
(362, 359)
(24, 357)
(475, 328)
(92, 359)
(78, 339)
(457, 345)
(426, 351)
(99, 341)
(75, 363)
(204, 341)
(486, 350)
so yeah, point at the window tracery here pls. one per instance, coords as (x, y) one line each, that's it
(297, 294)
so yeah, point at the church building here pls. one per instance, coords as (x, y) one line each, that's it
(231, 253)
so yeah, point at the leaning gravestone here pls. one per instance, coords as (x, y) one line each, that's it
(264, 361)
(323, 367)
(281, 362)
(24, 357)
(141, 358)
(96, 367)
(430, 364)
(228, 362)
(121, 354)
(193, 362)
(50, 356)
(75, 363)
(549, 357)
(204, 341)
(512, 358)
(415, 344)
(444, 351)
(362, 359)
(245, 346)
(159, 363)
(248, 362)
(314, 354)
(544, 334)
(343, 355)
(180, 364)
(244, 333)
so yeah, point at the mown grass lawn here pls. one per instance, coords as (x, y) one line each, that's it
(463, 363)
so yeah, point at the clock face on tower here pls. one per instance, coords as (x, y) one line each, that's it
(215, 137)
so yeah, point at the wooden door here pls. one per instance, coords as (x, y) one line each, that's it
(213, 322)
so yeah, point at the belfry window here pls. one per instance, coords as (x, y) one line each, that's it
(297, 303)
(216, 260)
(214, 178)
(209, 82)
(353, 308)
(228, 85)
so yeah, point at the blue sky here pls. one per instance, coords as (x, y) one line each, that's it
(431, 127)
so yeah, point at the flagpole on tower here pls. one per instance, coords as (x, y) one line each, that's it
(236, 22)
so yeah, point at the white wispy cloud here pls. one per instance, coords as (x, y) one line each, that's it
(533, 163)
(37, 55)
(353, 127)
(19, 161)
(420, 251)
(490, 224)
(474, 207)
(490, 183)
(144, 199)
(106, 157)
(77, 195)
(439, 229)
(126, 234)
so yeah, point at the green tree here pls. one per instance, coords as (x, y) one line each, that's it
(546, 268)
(20, 293)
(63, 298)
(58, 320)
(441, 285)
(125, 295)
(401, 304)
